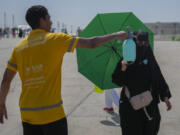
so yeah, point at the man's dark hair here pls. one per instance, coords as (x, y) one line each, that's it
(34, 14)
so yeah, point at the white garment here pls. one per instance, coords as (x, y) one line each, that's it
(110, 97)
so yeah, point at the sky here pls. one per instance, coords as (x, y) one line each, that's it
(76, 13)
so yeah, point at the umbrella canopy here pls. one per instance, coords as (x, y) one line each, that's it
(98, 64)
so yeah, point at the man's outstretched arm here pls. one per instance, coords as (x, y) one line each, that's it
(100, 40)
(4, 89)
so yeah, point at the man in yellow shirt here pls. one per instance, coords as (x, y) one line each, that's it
(38, 60)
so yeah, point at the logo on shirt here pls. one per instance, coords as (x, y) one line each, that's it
(34, 69)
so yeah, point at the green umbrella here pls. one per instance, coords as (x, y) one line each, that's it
(98, 64)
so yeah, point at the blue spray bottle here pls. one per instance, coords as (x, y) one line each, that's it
(129, 48)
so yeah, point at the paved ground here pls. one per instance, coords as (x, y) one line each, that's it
(84, 107)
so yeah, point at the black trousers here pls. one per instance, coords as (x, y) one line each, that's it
(135, 122)
(55, 128)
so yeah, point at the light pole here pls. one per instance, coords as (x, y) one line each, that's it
(13, 20)
(5, 20)
(58, 26)
(71, 29)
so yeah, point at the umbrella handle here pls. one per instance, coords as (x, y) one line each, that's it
(115, 51)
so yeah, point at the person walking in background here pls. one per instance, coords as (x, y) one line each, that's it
(1, 33)
(5, 33)
(141, 76)
(111, 97)
(38, 60)
(20, 35)
(13, 32)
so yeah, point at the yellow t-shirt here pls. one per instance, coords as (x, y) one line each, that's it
(38, 59)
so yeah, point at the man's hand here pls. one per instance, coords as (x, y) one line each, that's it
(124, 66)
(168, 103)
(122, 35)
(3, 112)
(4, 89)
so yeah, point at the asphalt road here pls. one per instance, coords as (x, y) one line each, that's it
(83, 107)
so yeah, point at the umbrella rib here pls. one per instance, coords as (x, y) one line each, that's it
(106, 46)
(117, 55)
(105, 32)
(124, 23)
(95, 57)
(101, 54)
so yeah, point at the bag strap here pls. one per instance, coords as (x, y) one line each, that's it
(127, 93)
(146, 113)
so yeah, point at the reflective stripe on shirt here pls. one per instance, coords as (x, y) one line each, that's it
(41, 108)
(13, 65)
(71, 44)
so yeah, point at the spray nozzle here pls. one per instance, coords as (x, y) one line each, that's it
(130, 34)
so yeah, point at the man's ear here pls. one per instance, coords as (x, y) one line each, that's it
(41, 22)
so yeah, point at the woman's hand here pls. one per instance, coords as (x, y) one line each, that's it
(3, 113)
(168, 103)
(124, 65)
